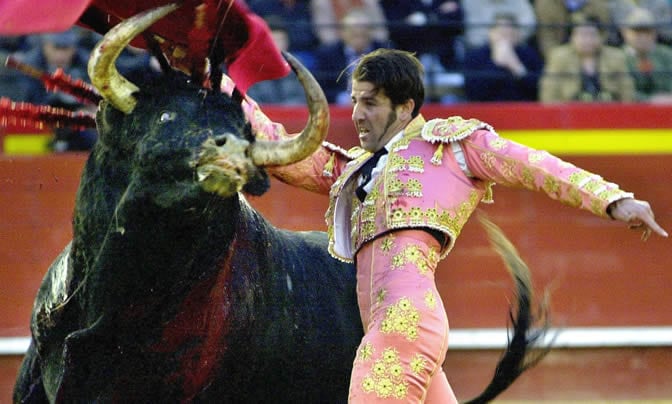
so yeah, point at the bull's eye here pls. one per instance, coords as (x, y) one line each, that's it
(167, 117)
(221, 140)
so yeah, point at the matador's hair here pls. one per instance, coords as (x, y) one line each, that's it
(398, 73)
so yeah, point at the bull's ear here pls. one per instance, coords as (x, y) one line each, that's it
(258, 184)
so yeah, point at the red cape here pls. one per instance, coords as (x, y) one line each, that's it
(240, 35)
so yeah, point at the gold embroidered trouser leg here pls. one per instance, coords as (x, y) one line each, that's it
(406, 327)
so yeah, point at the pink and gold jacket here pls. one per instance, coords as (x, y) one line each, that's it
(435, 176)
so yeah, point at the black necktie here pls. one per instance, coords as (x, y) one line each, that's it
(366, 171)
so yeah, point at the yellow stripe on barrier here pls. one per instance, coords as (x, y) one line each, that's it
(595, 141)
(27, 144)
(567, 142)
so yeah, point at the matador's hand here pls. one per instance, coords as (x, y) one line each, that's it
(637, 214)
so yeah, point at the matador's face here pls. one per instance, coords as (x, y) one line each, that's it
(375, 119)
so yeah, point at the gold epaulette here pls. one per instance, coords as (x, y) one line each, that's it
(449, 130)
(353, 153)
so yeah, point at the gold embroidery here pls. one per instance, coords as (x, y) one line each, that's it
(414, 188)
(380, 296)
(432, 215)
(368, 230)
(399, 163)
(395, 186)
(430, 300)
(437, 158)
(578, 178)
(387, 243)
(386, 377)
(450, 130)
(509, 168)
(328, 170)
(418, 364)
(609, 194)
(498, 143)
(597, 207)
(594, 185)
(401, 318)
(398, 216)
(433, 257)
(396, 163)
(488, 159)
(413, 254)
(372, 197)
(574, 198)
(369, 213)
(552, 186)
(402, 144)
(536, 156)
(398, 260)
(366, 352)
(416, 216)
(416, 164)
(527, 178)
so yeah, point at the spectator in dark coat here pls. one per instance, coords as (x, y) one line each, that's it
(302, 39)
(335, 62)
(505, 69)
(426, 27)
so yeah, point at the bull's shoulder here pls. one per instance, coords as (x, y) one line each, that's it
(55, 290)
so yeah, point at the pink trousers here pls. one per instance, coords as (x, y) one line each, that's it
(406, 328)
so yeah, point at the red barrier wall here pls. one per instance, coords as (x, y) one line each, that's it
(599, 272)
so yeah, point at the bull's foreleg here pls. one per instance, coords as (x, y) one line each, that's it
(29, 387)
(91, 359)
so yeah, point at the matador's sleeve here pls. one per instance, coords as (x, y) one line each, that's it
(316, 173)
(492, 158)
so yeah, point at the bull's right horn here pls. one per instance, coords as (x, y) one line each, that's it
(103, 73)
(288, 151)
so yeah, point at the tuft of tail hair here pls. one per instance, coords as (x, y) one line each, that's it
(529, 325)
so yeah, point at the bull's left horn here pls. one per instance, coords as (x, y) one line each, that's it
(270, 153)
(103, 73)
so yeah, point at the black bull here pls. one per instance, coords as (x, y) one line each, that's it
(170, 293)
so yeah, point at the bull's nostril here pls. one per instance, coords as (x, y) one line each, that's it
(220, 140)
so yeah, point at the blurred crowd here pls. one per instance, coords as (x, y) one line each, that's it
(473, 51)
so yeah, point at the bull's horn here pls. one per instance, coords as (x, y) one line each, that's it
(270, 153)
(103, 73)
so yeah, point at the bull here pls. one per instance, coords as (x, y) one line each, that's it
(173, 288)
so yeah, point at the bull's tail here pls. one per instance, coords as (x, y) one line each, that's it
(530, 324)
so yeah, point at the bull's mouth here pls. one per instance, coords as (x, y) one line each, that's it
(224, 169)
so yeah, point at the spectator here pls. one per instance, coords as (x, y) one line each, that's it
(505, 69)
(554, 19)
(480, 15)
(328, 13)
(659, 9)
(585, 69)
(426, 27)
(301, 36)
(286, 90)
(334, 62)
(54, 51)
(10, 85)
(649, 62)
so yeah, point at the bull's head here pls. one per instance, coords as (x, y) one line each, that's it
(179, 130)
